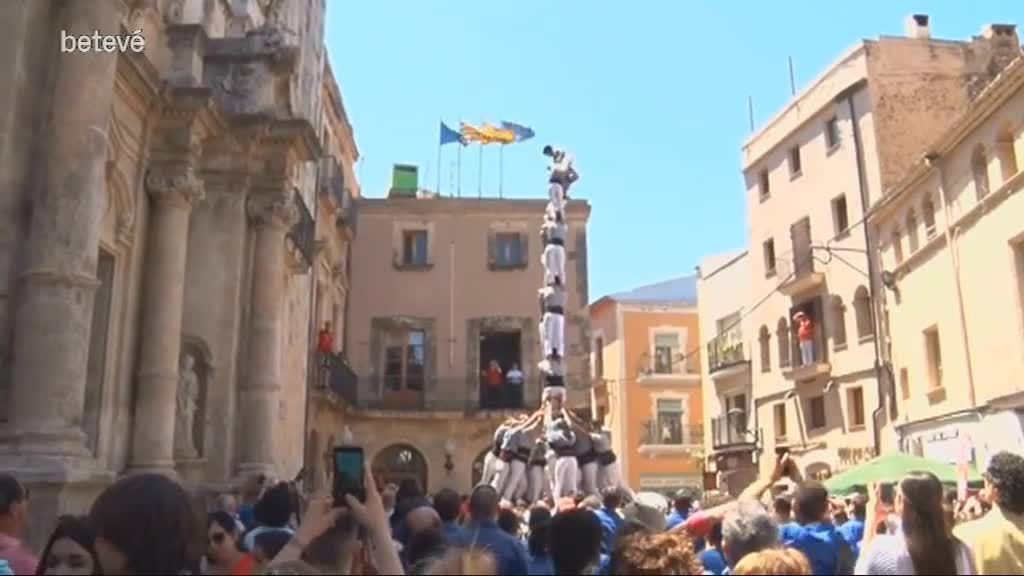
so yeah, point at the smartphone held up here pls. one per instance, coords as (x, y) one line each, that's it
(349, 474)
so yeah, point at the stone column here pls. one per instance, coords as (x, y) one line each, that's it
(172, 190)
(58, 281)
(272, 216)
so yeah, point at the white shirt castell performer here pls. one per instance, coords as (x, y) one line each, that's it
(609, 475)
(556, 203)
(539, 484)
(552, 325)
(515, 452)
(553, 256)
(586, 458)
(562, 439)
(492, 463)
(554, 383)
(562, 170)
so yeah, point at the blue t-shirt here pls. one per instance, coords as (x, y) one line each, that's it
(820, 543)
(509, 552)
(713, 562)
(541, 566)
(675, 519)
(610, 522)
(853, 533)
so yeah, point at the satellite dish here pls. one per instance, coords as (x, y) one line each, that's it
(889, 279)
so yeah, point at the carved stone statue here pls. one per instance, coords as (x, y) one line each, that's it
(187, 406)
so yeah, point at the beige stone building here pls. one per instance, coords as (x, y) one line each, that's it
(952, 241)
(730, 425)
(168, 219)
(440, 287)
(810, 173)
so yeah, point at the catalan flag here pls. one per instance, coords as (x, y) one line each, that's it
(487, 134)
(521, 132)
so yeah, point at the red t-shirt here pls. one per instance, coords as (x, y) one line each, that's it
(326, 344)
(806, 330)
(494, 376)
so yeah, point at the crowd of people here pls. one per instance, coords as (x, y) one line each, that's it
(781, 524)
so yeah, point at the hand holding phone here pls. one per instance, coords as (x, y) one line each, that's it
(349, 474)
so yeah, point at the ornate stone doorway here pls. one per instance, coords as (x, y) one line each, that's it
(400, 462)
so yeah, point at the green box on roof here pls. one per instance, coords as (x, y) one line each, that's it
(405, 178)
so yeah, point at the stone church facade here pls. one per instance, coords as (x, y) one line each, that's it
(174, 230)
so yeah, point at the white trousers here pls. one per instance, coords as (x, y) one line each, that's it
(552, 333)
(553, 260)
(566, 477)
(588, 479)
(556, 201)
(610, 476)
(490, 468)
(500, 475)
(539, 485)
(516, 473)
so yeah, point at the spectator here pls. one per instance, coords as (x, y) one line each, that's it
(424, 549)
(70, 550)
(494, 378)
(509, 522)
(272, 514)
(222, 550)
(774, 562)
(575, 542)
(657, 554)
(463, 562)
(997, 539)
(13, 518)
(681, 506)
(712, 558)
(783, 507)
(853, 530)
(449, 506)
(747, 529)
(409, 497)
(814, 534)
(146, 524)
(228, 504)
(609, 517)
(266, 547)
(514, 384)
(540, 558)
(334, 551)
(620, 543)
(252, 491)
(923, 546)
(483, 532)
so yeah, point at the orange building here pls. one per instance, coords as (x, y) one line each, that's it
(647, 385)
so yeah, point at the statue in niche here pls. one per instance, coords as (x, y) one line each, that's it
(187, 407)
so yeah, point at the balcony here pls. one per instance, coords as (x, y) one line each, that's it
(818, 366)
(797, 268)
(730, 433)
(336, 378)
(669, 439)
(726, 357)
(302, 237)
(443, 398)
(660, 369)
(332, 185)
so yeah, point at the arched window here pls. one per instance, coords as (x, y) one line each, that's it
(1006, 153)
(764, 338)
(979, 169)
(862, 308)
(838, 310)
(897, 246)
(784, 342)
(912, 238)
(400, 462)
(928, 214)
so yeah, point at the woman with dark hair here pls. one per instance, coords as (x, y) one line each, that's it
(147, 524)
(222, 548)
(923, 543)
(537, 543)
(71, 549)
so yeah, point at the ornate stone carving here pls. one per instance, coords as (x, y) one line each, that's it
(188, 397)
(120, 195)
(174, 11)
(177, 185)
(275, 210)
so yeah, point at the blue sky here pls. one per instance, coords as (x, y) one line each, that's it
(650, 95)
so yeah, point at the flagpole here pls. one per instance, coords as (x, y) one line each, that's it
(480, 174)
(501, 171)
(438, 190)
(458, 168)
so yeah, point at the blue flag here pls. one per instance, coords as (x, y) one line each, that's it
(448, 135)
(521, 132)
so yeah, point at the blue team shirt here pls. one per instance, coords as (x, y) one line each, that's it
(509, 552)
(853, 533)
(820, 543)
(610, 522)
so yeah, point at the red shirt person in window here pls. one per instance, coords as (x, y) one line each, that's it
(805, 334)
(494, 378)
(325, 344)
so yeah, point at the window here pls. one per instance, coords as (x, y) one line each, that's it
(795, 168)
(670, 421)
(832, 133)
(855, 406)
(912, 238)
(666, 353)
(928, 214)
(763, 339)
(897, 246)
(979, 170)
(404, 360)
(933, 349)
(816, 413)
(780, 422)
(503, 348)
(768, 248)
(599, 358)
(784, 342)
(862, 309)
(838, 322)
(736, 412)
(1007, 154)
(839, 215)
(905, 383)
(509, 250)
(763, 186)
(414, 247)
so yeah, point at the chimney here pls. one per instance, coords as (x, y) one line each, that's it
(1001, 33)
(917, 27)
(404, 181)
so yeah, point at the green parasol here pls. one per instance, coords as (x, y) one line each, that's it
(891, 468)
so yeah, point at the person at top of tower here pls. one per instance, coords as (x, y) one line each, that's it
(562, 170)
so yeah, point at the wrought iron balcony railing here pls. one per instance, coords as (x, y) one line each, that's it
(730, 431)
(334, 373)
(303, 233)
(671, 432)
(725, 350)
(332, 183)
(441, 395)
